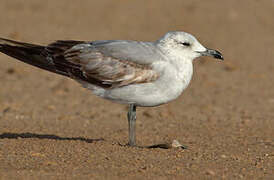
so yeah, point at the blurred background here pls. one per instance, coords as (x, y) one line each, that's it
(226, 112)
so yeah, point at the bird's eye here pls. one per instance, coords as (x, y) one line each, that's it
(185, 43)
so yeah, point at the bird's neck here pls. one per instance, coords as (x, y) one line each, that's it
(184, 69)
(182, 64)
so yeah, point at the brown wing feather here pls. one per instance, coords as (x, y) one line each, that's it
(56, 52)
(109, 70)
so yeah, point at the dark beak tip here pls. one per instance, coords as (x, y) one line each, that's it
(219, 57)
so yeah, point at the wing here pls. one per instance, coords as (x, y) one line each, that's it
(106, 64)
(136, 51)
(107, 69)
(102, 66)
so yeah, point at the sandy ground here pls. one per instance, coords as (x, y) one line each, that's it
(51, 128)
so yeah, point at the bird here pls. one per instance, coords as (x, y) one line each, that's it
(136, 73)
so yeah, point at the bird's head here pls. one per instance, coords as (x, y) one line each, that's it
(185, 45)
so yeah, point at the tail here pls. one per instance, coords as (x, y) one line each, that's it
(49, 57)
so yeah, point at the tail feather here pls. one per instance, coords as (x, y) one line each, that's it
(49, 57)
(28, 53)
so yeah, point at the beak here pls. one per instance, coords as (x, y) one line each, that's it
(213, 53)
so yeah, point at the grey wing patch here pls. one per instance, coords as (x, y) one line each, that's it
(109, 70)
(136, 51)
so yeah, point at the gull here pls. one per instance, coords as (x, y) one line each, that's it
(136, 73)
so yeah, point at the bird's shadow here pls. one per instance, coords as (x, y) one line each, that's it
(46, 136)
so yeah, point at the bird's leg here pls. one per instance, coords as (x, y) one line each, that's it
(131, 124)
